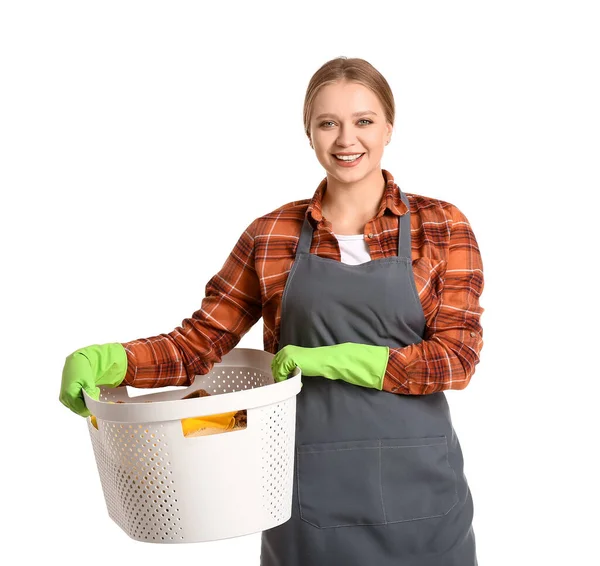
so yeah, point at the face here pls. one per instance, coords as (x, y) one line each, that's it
(348, 120)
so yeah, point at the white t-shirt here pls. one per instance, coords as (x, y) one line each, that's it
(353, 248)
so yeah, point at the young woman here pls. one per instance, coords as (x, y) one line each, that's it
(374, 293)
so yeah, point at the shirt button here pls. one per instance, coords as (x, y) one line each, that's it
(473, 334)
(370, 235)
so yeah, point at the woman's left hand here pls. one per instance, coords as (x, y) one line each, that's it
(359, 364)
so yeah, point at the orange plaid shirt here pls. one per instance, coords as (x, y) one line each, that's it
(448, 275)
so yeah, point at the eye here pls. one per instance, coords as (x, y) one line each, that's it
(367, 122)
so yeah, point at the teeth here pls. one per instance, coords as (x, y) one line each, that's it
(348, 157)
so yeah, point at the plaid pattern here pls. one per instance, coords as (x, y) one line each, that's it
(448, 275)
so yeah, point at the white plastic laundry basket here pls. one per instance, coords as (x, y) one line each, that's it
(163, 487)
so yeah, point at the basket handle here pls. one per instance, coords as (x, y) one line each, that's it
(140, 412)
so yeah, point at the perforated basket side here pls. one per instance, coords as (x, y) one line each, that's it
(277, 431)
(135, 472)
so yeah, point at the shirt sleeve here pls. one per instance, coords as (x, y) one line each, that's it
(231, 306)
(449, 352)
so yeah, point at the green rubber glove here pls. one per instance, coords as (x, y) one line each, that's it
(89, 367)
(358, 364)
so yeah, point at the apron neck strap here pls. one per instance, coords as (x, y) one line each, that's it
(404, 246)
(404, 231)
(305, 238)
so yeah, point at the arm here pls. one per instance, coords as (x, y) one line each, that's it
(232, 304)
(449, 352)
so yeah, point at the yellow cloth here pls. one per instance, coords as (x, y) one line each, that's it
(93, 418)
(224, 421)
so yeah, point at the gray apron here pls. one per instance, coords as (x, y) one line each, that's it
(378, 476)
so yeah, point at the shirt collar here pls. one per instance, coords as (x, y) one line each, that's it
(390, 199)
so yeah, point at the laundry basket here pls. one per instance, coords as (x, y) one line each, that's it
(163, 487)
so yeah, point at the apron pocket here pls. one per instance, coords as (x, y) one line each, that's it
(417, 479)
(339, 483)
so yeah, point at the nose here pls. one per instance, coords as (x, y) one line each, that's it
(346, 136)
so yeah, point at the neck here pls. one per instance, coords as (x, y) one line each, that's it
(353, 203)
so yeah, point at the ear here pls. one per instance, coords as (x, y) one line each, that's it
(388, 130)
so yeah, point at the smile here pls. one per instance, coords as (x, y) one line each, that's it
(349, 158)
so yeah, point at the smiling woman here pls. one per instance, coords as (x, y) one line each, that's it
(348, 118)
(381, 323)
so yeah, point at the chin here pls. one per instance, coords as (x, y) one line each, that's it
(348, 178)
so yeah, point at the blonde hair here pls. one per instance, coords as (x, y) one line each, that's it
(351, 70)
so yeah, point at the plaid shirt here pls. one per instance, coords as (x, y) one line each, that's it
(447, 270)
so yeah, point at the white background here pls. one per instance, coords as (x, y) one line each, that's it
(139, 139)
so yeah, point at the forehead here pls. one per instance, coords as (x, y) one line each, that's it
(345, 98)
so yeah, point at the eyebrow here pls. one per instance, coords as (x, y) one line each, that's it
(355, 115)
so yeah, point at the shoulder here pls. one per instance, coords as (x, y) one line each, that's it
(281, 222)
(274, 236)
(437, 226)
(429, 210)
(296, 208)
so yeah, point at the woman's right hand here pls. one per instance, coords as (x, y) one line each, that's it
(89, 367)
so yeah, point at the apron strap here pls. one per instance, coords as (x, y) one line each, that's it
(404, 246)
(305, 238)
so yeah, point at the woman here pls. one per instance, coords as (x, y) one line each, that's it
(374, 294)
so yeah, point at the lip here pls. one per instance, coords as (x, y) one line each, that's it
(346, 163)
